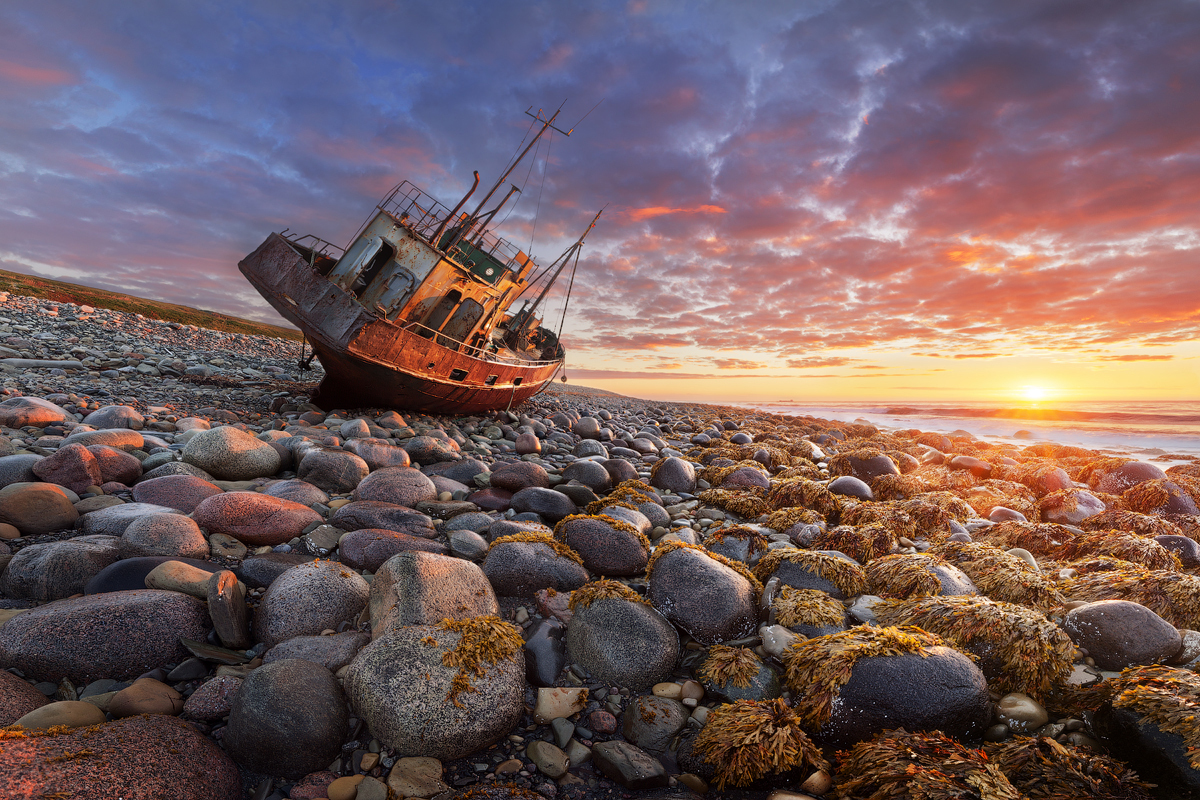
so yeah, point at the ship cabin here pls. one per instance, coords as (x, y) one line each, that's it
(413, 265)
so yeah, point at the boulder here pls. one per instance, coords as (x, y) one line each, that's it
(520, 568)
(297, 491)
(163, 535)
(334, 471)
(308, 599)
(607, 547)
(623, 643)
(288, 719)
(182, 492)
(115, 417)
(139, 758)
(548, 504)
(115, 520)
(378, 453)
(116, 465)
(231, 454)
(54, 570)
(674, 475)
(401, 685)
(253, 518)
(1121, 633)
(113, 635)
(331, 652)
(518, 475)
(72, 466)
(368, 548)
(17, 698)
(21, 412)
(36, 508)
(402, 486)
(711, 601)
(415, 588)
(375, 514)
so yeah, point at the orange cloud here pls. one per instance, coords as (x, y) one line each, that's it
(34, 76)
(639, 214)
(1136, 357)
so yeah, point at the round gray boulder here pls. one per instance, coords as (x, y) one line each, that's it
(288, 719)
(231, 454)
(334, 471)
(400, 685)
(1121, 633)
(623, 642)
(163, 535)
(709, 600)
(402, 486)
(308, 599)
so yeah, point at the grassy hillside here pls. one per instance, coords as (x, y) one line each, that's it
(58, 291)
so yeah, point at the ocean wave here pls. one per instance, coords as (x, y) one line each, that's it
(1051, 415)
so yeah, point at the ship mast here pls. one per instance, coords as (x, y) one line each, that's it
(474, 219)
(527, 313)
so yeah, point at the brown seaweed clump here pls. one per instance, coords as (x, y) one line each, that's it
(898, 765)
(1174, 596)
(804, 469)
(1040, 538)
(953, 505)
(1166, 696)
(898, 487)
(612, 522)
(481, 639)
(803, 492)
(1116, 519)
(816, 669)
(729, 666)
(848, 577)
(1128, 547)
(715, 475)
(632, 491)
(785, 518)
(890, 513)
(1003, 577)
(903, 576)
(750, 740)
(736, 566)
(864, 543)
(813, 607)
(743, 502)
(540, 538)
(1020, 650)
(1154, 497)
(1040, 767)
(604, 589)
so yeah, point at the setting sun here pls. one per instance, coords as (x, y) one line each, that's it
(1035, 393)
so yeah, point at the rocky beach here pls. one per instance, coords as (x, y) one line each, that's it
(213, 589)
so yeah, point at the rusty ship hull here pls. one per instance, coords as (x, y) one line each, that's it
(371, 361)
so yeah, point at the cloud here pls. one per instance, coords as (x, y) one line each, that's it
(959, 181)
(818, 361)
(1136, 357)
(737, 363)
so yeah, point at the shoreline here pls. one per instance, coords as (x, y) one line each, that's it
(623, 575)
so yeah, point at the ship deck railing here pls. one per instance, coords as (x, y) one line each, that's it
(481, 353)
(411, 206)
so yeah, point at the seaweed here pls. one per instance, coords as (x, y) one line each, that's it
(540, 538)
(1150, 497)
(612, 522)
(816, 669)
(604, 589)
(813, 607)
(1001, 576)
(1132, 522)
(803, 492)
(847, 576)
(1128, 547)
(750, 740)
(1034, 654)
(481, 639)
(743, 502)
(1168, 697)
(864, 543)
(736, 566)
(714, 475)
(903, 576)
(756, 542)
(898, 765)
(729, 666)
(1039, 538)
(890, 513)
(787, 517)
(1174, 596)
(1040, 767)
(898, 487)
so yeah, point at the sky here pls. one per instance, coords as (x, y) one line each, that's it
(837, 200)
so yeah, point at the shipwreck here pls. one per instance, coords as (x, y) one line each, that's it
(414, 313)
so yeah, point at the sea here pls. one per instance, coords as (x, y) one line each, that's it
(1165, 432)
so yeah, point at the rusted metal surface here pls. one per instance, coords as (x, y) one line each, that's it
(373, 361)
